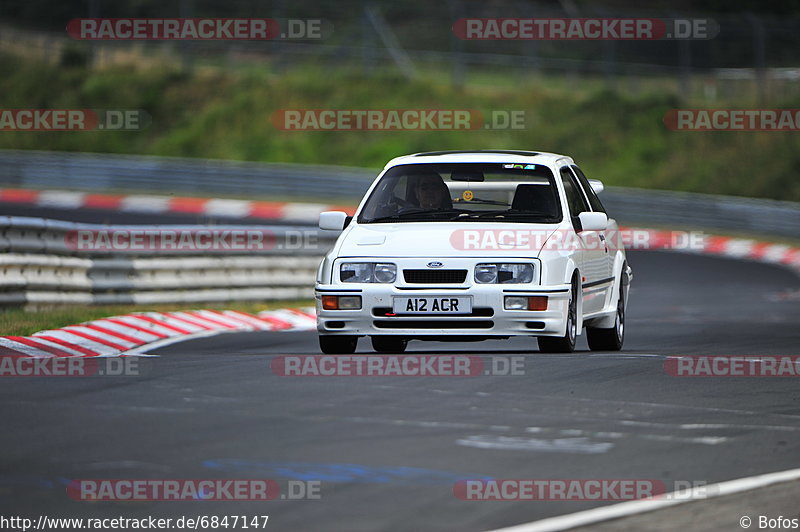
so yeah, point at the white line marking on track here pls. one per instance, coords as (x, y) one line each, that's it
(626, 509)
(668, 405)
(557, 445)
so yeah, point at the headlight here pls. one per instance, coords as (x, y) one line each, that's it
(488, 273)
(367, 272)
(385, 273)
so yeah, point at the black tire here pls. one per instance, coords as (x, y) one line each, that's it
(566, 343)
(338, 345)
(613, 338)
(389, 344)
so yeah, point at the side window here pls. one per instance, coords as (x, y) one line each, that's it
(386, 197)
(594, 201)
(575, 200)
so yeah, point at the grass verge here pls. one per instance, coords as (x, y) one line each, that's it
(617, 137)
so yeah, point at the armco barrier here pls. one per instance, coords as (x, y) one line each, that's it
(284, 212)
(33, 170)
(30, 169)
(40, 266)
(703, 211)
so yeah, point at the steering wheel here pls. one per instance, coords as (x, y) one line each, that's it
(392, 206)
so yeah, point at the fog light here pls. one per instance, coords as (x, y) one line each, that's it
(341, 302)
(349, 302)
(516, 303)
(525, 303)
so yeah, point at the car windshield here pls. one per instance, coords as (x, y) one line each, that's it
(499, 192)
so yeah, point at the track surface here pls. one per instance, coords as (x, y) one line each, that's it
(212, 408)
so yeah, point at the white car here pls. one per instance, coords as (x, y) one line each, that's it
(477, 245)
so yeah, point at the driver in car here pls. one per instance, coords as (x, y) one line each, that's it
(430, 192)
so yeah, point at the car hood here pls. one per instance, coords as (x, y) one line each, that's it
(443, 239)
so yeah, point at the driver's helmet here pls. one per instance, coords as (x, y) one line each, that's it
(428, 190)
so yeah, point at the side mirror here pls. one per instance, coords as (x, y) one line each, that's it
(332, 220)
(593, 221)
(597, 185)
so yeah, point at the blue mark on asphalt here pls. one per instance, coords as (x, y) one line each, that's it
(28, 481)
(13, 485)
(356, 473)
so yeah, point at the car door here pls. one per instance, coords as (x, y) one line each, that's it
(592, 257)
(597, 206)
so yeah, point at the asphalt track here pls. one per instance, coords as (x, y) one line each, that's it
(388, 450)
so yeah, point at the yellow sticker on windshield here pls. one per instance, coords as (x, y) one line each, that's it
(467, 195)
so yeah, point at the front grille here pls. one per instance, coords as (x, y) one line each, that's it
(435, 276)
(387, 311)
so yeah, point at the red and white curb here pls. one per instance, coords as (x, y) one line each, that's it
(309, 213)
(134, 334)
(151, 204)
(722, 246)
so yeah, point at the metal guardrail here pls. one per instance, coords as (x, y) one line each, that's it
(81, 171)
(88, 171)
(703, 211)
(40, 264)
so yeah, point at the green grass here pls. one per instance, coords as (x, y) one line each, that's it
(226, 114)
(19, 322)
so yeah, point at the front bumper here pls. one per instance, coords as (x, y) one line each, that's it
(488, 318)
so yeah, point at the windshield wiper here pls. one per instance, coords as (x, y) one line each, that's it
(499, 214)
(408, 216)
(480, 201)
(489, 214)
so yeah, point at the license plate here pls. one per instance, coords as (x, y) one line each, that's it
(432, 305)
